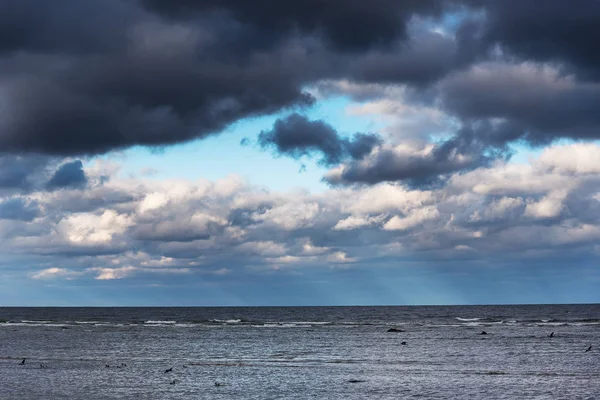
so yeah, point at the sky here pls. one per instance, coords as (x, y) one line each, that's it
(314, 152)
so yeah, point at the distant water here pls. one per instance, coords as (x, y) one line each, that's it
(301, 353)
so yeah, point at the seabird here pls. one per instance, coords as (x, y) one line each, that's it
(403, 343)
(218, 384)
(174, 381)
(22, 362)
(551, 335)
(169, 370)
(588, 349)
(355, 381)
(483, 333)
(107, 366)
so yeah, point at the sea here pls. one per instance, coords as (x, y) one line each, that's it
(429, 352)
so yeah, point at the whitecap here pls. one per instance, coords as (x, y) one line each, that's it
(158, 322)
(225, 321)
(26, 321)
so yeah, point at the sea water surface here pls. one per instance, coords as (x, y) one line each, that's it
(301, 353)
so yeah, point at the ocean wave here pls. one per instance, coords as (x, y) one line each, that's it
(26, 321)
(278, 325)
(218, 323)
(46, 324)
(225, 321)
(160, 322)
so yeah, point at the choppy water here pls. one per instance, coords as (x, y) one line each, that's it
(301, 353)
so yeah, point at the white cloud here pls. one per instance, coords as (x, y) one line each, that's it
(311, 250)
(153, 201)
(86, 228)
(105, 274)
(340, 257)
(578, 158)
(291, 216)
(412, 220)
(548, 207)
(383, 198)
(128, 227)
(55, 273)
(354, 222)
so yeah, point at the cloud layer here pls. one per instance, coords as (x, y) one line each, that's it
(153, 72)
(123, 228)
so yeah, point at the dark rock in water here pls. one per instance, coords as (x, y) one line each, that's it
(356, 381)
(395, 330)
(403, 343)
(483, 333)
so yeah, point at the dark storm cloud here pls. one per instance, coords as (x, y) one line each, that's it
(543, 101)
(553, 30)
(297, 136)
(90, 77)
(424, 58)
(69, 175)
(353, 25)
(74, 26)
(93, 77)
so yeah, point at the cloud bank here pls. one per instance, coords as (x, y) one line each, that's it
(124, 228)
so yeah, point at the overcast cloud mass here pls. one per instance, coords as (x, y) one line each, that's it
(455, 91)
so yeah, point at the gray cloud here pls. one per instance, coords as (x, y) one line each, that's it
(355, 26)
(558, 32)
(190, 227)
(472, 147)
(68, 175)
(104, 75)
(21, 173)
(540, 99)
(296, 136)
(20, 209)
(423, 58)
(154, 72)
